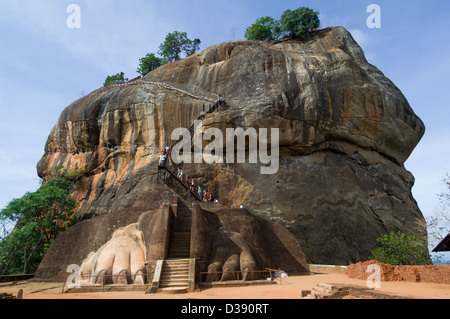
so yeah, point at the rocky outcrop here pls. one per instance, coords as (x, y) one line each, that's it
(345, 133)
(123, 247)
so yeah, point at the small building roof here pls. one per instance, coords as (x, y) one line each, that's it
(444, 245)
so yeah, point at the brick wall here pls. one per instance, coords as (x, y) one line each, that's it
(432, 273)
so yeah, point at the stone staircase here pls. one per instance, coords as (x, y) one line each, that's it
(180, 243)
(175, 276)
(178, 269)
(170, 166)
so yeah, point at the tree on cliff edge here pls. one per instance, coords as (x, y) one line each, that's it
(149, 63)
(177, 43)
(298, 22)
(265, 29)
(293, 23)
(113, 78)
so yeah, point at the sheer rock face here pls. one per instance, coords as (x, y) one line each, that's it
(345, 133)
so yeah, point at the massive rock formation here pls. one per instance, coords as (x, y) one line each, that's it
(345, 133)
(115, 247)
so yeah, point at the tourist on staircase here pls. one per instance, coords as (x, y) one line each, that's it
(181, 175)
(162, 160)
(221, 103)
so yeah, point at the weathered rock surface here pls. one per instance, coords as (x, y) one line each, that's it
(113, 248)
(345, 133)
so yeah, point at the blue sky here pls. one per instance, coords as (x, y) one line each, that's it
(45, 66)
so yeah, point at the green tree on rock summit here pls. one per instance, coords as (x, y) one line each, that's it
(177, 43)
(298, 22)
(265, 29)
(293, 23)
(149, 63)
(113, 78)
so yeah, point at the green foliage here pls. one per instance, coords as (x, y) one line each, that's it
(69, 175)
(265, 29)
(39, 218)
(299, 21)
(149, 63)
(177, 43)
(293, 23)
(113, 78)
(401, 249)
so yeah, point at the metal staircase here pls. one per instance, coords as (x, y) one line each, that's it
(188, 135)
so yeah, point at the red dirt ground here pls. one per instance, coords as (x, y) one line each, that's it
(287, 288)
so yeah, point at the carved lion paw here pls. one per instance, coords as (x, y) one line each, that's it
(231, 255)
(119, 261)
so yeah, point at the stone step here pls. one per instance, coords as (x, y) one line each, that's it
(174, 290)
(180, 243)
(184, 251)
(175, 262)
(179, 249)
(173, 285)
(179, 282)
(178, 276)
(175, 268)
(181, 239)
(175, 276)
(183, 275)
(180, 255)
(180, 246)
